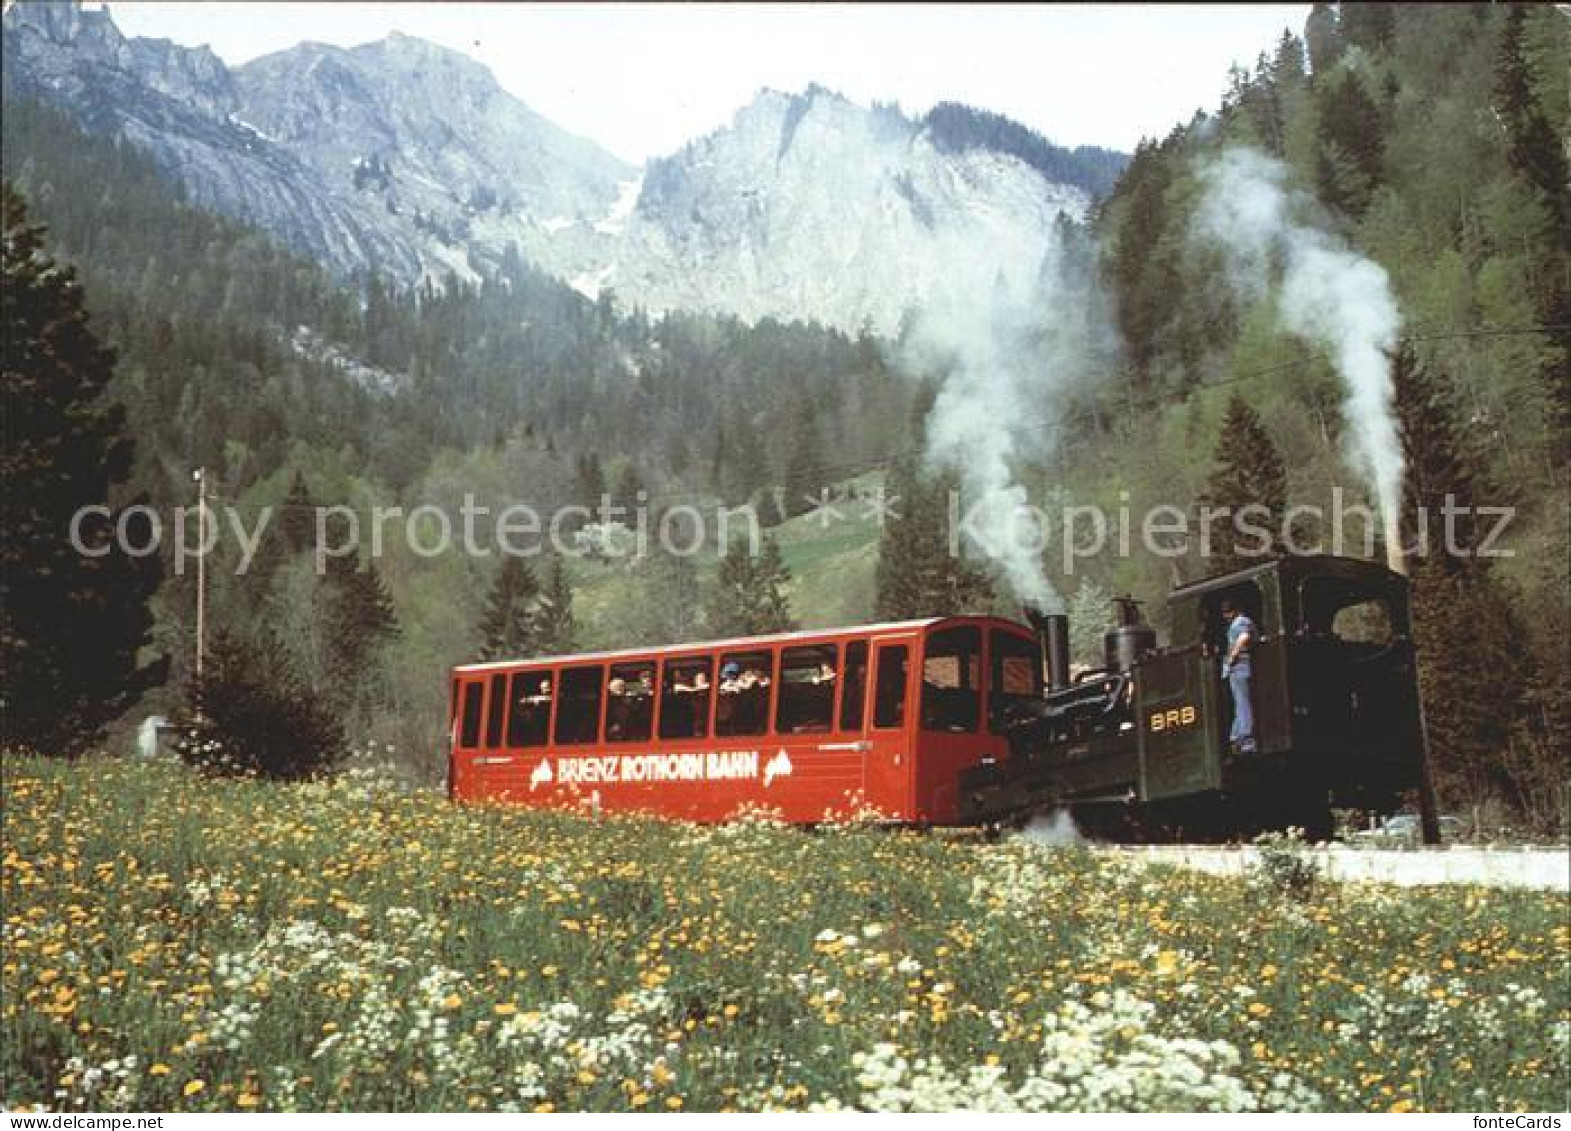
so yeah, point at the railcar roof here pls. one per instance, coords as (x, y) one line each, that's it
(736, 642)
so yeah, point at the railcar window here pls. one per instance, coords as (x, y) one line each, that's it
(578, 705)
(496, 706)
(469, 733)
(742, 706)
(1016, 677)
(889, 709)
(529, 712)
(952, 679)
(684, 698)
(807, 689)
(630, 703)
(855, 686)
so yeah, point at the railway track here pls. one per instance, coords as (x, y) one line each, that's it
(1541, 869)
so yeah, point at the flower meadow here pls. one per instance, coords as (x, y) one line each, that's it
(173, 942)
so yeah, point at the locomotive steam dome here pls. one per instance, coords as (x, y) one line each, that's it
(1129, 639)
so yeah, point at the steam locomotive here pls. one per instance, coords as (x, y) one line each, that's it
(1139, 746)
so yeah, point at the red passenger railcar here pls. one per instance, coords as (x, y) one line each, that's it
(807, 725)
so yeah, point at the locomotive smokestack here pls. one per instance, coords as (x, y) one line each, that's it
(1052, 634)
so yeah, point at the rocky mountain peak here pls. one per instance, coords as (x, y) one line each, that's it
(408, 158)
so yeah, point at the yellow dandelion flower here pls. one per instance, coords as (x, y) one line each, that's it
(192, 1087)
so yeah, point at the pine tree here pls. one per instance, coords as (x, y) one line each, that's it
(804, 475)
(292, 532)
(751, 597)
(591, 480)
(508, 629)
(1322, 38)
(555, 627)
(1248, 472)
(916, 575)
(297, 520)
(669, 605)
(1142, 279)
(1442, 469)
(71, 622)
(259, 717)
(1368, 24)
(629, 486)
(1352, 135)
(1463, 623)
(1534, 149)
(747, 465)
(361, 618)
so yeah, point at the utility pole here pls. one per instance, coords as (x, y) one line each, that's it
(200, 475)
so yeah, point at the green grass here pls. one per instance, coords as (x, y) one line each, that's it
(176, 943)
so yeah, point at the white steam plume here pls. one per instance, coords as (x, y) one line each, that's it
(1054, 829)
(1326, 292)
(1007, 327)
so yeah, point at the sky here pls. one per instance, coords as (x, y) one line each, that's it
(642, 80)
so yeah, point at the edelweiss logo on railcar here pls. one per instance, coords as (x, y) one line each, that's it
(713, 765)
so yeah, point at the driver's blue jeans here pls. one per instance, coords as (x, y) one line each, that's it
(1243, 733)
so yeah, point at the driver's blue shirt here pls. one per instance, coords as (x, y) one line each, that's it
(1239, 626)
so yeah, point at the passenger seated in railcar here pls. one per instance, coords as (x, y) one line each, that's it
(530, 718)
(630, 702)
(743, 704)
(807, 689)
(684, 705)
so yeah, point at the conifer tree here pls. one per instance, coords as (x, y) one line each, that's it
(555, 627)
(291, 532)
(1474, 666)
(668, 607)
(751, 596)
(1534, 150)
(508, 629)
(1368, 24)
(361, 618)
(297, 521)
(259, 717)
(916, 575)
(71, 622)
(747, 466)
(1322, 38)
(591, 479)
(1248, 472)
(629, 486)
(1353, 143)
(804, 469)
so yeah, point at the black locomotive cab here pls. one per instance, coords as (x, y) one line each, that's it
(1334, 693)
